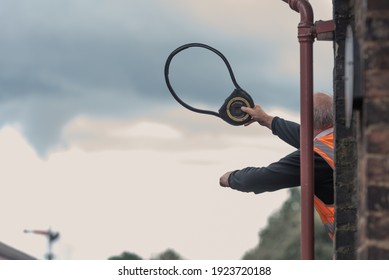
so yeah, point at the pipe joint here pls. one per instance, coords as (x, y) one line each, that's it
(304, 8)
(306, 33)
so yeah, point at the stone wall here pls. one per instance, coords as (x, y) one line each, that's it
(346, 156)
(373, 35)
(362, 151)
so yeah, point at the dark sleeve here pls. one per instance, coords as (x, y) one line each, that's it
(287, 131)
(284, 174)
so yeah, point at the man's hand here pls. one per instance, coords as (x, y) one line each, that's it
(224, 180)
(259, 115)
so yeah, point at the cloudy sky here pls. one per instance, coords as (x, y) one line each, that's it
(93, 145)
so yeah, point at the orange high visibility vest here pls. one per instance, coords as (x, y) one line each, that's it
(324, 146)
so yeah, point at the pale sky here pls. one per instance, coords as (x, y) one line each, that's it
(93, 145)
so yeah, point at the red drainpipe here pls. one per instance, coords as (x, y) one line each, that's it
(306, 36)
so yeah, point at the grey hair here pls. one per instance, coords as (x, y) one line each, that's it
(323, 114)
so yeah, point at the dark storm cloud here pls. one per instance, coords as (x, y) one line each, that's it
(60, 59)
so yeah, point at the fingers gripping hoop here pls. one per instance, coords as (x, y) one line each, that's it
(230, 110)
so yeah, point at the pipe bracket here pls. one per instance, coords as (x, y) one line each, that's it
(325, 30)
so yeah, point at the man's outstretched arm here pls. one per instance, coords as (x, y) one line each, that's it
(282, 174)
